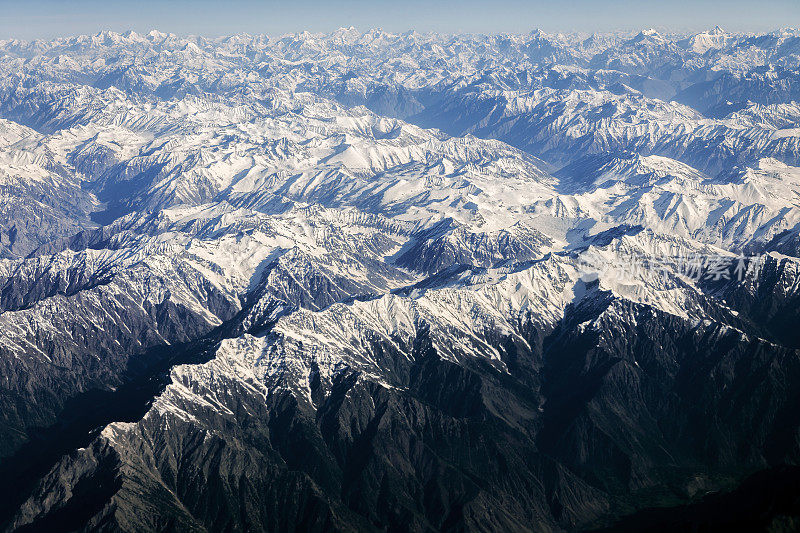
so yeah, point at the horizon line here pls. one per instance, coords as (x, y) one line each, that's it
(662, 30)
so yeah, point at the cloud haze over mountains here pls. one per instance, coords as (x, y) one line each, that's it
(54, 18)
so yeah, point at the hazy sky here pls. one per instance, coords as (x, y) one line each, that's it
(29, 19)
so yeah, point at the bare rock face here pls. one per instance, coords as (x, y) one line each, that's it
(368, 281)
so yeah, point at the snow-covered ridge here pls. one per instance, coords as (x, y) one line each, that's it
(311, 212)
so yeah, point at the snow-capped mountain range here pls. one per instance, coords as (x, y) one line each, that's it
(369, 281)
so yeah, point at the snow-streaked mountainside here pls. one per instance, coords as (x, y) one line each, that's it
(365, 281)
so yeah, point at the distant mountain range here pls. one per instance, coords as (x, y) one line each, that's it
(373, 281)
